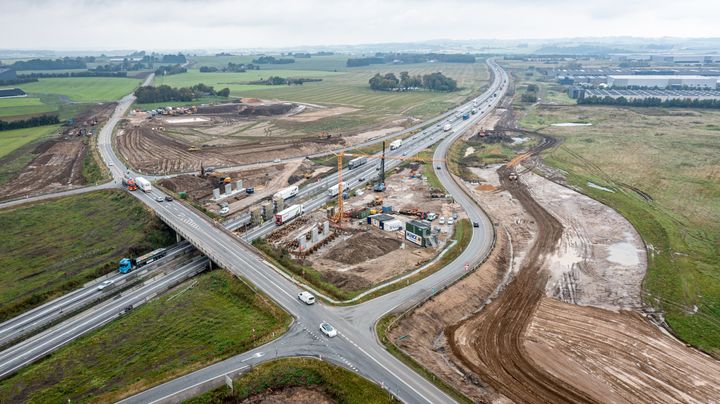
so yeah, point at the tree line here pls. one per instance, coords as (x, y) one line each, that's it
(57, 64)
(651, 102)
(87, 73)
(530, 94)
(230, 67)
(433, 82)
(170, 70)
(271, 60)
(276, 81)
(406, 58)
(165, 93)
(30, 122)
(19, 80)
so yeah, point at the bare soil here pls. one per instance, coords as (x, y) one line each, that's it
(57, 165)
(303, 395)
(317, 114)
(362, 247)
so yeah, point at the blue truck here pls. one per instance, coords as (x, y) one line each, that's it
(128, 264)
(466, 116)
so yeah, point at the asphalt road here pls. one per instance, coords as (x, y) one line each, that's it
(70, 303)
(356, 346)
(36, 347)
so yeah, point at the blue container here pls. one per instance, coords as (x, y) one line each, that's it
(387, 209)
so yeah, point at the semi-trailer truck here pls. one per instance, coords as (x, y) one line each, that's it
(396, 144)
(288, 214)
(447, 127)
(286, 193)
(356, 162)
(335, 189)
(143, 184)
(128, 264)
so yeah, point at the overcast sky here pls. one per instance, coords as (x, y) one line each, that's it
(228, 24)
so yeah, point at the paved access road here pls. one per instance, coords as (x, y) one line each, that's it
(356, 346)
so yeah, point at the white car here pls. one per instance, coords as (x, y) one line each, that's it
(306, 297)
(159, 198)
(327, 329)
(224, 210)
(105, 284)
(451, 221)
(442, 219)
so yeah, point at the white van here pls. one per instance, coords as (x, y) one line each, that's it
(306, 297)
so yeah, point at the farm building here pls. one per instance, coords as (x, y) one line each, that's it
(11, 93)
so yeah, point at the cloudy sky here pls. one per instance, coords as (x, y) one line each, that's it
(228, 24)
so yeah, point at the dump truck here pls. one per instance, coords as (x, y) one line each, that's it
(356, 162)
(286, 193)
(288, 214)
(143, 184)
(129, 183)
(447, 127)
(129, 264)
(333, 191)
(395, 144)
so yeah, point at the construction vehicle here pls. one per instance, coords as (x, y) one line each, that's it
(514, 162)
(129, 183)
(288, 214)
(219, 178)
(380, 186)
(128, 264)
(378, 201)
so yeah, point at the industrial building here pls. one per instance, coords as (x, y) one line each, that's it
(385, 222)
(418, 232)
(663, 81)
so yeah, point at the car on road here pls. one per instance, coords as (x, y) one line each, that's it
(111, 164)
(159, 198)
(168, 198)
(361, 179)
(105, 284)
(327, 329)
(476, 224)
(306, 297)
(438, 167)
(224, 210)
(404, 153)
(276, 161)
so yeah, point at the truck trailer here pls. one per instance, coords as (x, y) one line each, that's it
(288, 214)
(335, 189)
(143, 184)
(129, 264)
(356, 162)
(395, 144)
(286, 193)
(447, 127)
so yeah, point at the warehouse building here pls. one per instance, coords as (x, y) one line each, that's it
(663, 81)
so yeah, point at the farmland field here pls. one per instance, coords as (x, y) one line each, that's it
(327, 63)
(11, 107)
(11, 140)
(83, 89)
(663, 168)
(201, 321)
(49, 248)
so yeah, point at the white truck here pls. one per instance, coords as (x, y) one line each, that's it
(288, 214)
(335, 189)
(286, 193)
(396, 144)
(358, 161)
(143, 184)
(447, 127)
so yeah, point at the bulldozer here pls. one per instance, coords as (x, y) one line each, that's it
(378, 201)
(219, 178)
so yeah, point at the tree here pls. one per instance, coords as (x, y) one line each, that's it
(225, 92)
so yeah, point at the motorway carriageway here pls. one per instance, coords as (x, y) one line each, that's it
(36, 347)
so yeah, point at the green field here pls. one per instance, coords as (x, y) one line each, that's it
(340, 385)
(201, 321)
(11, 140)
(49, 248)
(84, 89)
(327, 63)
(674, 157)
(11, 107)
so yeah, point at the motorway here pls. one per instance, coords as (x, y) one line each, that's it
(356, 346)
(36, 347)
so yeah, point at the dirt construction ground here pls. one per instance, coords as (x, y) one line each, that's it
(527, 346)
(58, 163)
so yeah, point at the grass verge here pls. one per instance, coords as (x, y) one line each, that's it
(202, 321)
(49, 248)
(340, 385)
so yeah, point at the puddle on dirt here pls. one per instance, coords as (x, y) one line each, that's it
(600, 187)
(519, 140)
(470, 150)
(624, 253)
(571, 124)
